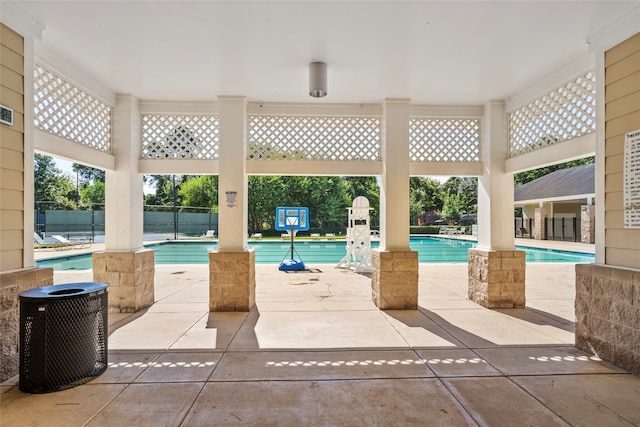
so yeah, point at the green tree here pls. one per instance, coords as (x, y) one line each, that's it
(265, 195)
(88, 175)
(201, 191)
(451, 208)
(426, 195)
(93, 194)
(164, 185)
(328, 202)
(466, 188)
(52, 185)
(326, 198)
(366, 186)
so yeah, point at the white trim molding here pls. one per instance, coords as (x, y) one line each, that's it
(618, 30)
(317, 110)
(57, 146)
(54, 62)
(28, 255)
(600, 160)
(178, 107)
(20, 21)
(178, 166)
(447, 111)
(573, 198)
(445, 168)
(559, 78)
(577, 148)
(314, 168)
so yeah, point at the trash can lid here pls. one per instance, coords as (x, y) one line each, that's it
(63, 291)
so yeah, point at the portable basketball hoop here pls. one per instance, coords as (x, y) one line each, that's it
(292, 220)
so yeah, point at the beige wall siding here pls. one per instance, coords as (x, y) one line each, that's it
(622, 115)
(12, 151)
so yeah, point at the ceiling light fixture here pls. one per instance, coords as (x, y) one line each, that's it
(318, 79)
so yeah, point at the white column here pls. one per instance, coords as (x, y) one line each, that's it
(28, 178)
(394, 191)
(232, 219)
(124, 187)
(600, 161)
(495, 186)
(496, 271)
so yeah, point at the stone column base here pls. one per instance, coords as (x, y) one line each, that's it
(394, 279)
(130, 276)
(232, 281)
(538, 224)
(608, 314)
(496, 278)
(12, 283)
(587, 224)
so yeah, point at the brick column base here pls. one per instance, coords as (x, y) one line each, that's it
(130, 276)
(608, 314)
(394, 279)
(11, 285)
(496, 278)
(232, 281)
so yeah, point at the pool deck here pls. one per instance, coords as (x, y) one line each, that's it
(316, 351)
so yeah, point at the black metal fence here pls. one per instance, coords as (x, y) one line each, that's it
(566, 229)
(89, 221)
(523, 227)
(563, 229)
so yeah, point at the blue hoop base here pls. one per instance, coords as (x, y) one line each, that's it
(291, 265)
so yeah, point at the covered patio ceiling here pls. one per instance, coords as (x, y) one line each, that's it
(460, 53)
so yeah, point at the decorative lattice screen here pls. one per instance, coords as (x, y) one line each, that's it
(314, 138)
(180, 137)
(64, 110)
(565, 113)
(444, 140)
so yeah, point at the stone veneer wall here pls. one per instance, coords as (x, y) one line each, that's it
(394, 279)
(496, 278)
(608, 314)
(130, 276)
(11, 285)
(232, 281)
(587, 224)
(538, 224)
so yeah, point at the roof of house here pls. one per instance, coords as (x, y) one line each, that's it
(571, 182)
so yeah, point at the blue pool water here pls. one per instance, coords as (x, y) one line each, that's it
(430, 249)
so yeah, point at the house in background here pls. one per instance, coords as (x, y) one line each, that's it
(559, 205)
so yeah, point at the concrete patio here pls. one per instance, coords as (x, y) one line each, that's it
(316, 351)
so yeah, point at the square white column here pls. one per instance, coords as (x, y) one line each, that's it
(496, 271)
(495, 186)
(232, 182)
(394, 191)
(124, 186)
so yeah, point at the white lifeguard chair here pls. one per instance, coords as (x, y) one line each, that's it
(358, 239)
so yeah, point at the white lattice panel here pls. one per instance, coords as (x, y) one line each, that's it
(64, 110)
(314, 138)
(444, 140)
(565, 113)
(180, 136)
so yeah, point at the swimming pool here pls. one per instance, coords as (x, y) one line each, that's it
(430, 250)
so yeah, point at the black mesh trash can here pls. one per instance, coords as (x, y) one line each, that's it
(63, 336)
